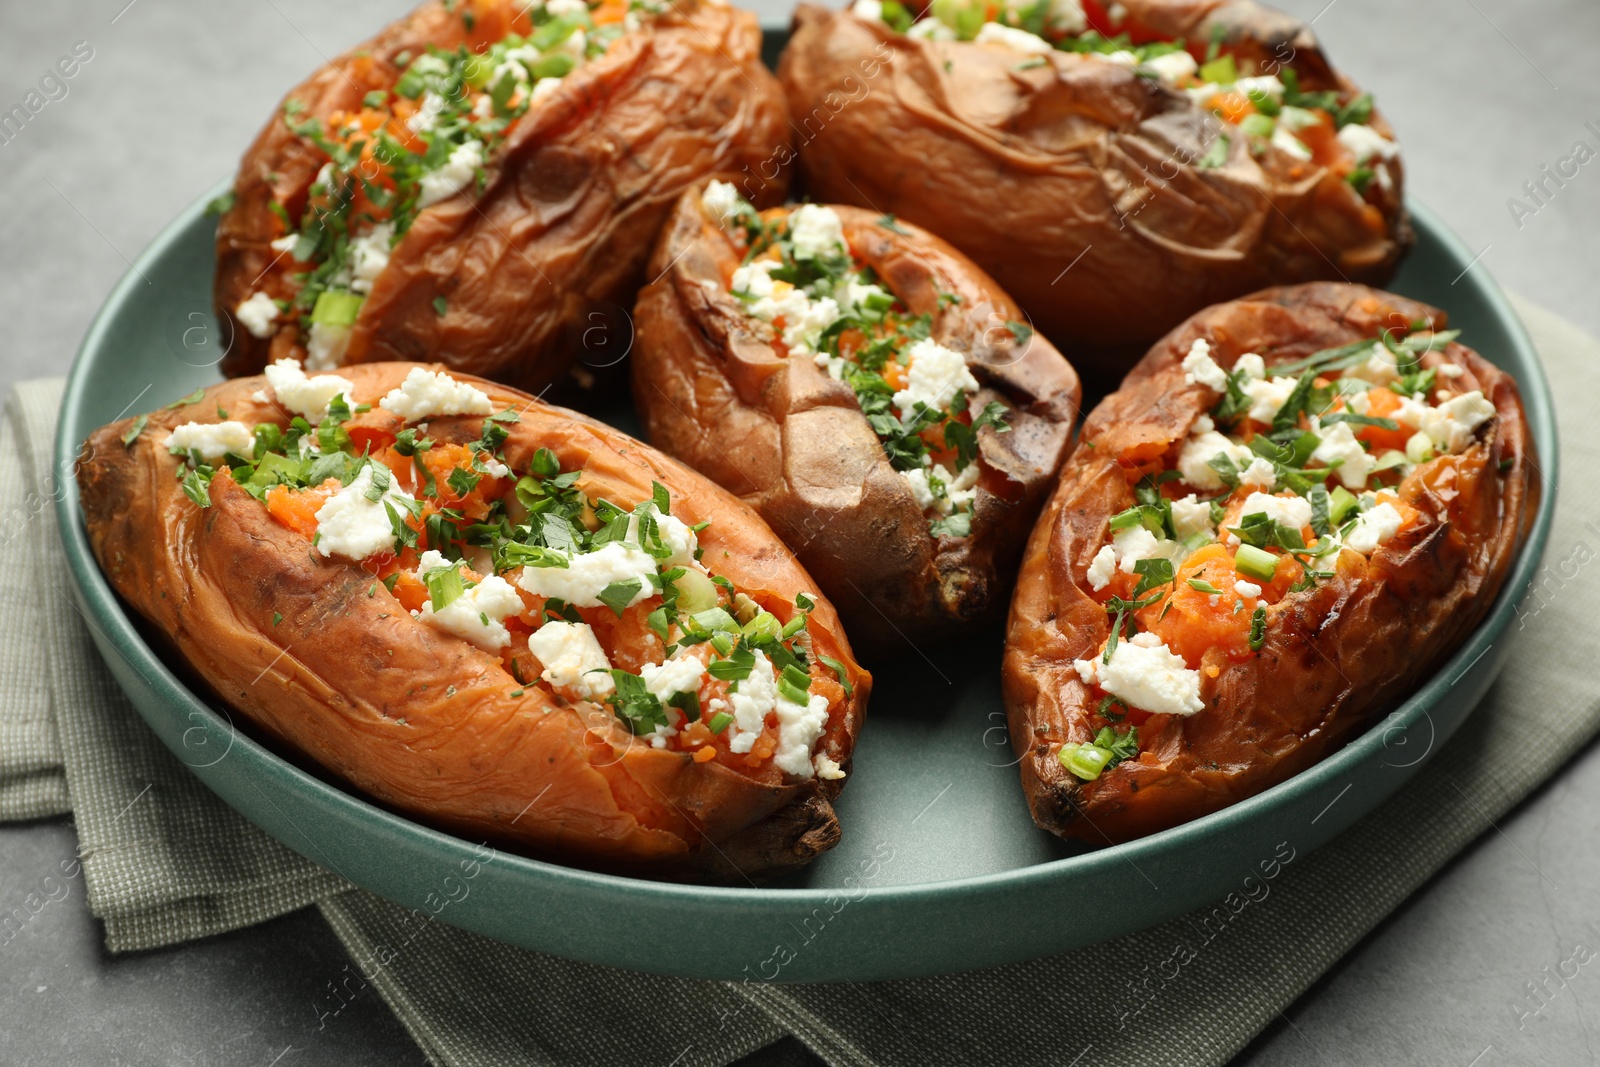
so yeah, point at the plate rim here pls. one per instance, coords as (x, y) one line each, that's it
(101, 604)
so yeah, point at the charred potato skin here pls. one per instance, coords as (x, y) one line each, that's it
(791, 441)
(1334, 657)
(556, 242)
(422, 721)
(1082, 158)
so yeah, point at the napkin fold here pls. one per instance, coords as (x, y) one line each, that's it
(166, 861)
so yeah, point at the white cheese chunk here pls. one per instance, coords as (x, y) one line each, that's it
(428, 393)
(1247, 589)
(757, 695)
(1374, 527)
(1267, 396)
(1102, 568)
(1172, 66)
(257, 314)
(458, 171)
(477, 615)
(212, 440)
(1364, 142)
(720, 201)
(1452, 423)
(587, 575)
(351, 525)
(1339, 445)
(1144, 673)
(934, 377)
(1259, 474)
(799, 726)
(816, 231)
(1015, 39)
(369, 254)
(308, 397)
(1191, 516)
(1195, 457)
(572, 659)
(1198, 366)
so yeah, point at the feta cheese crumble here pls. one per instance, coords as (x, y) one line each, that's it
(1102, 568)
(934, 377)
(1198, 366)
(353, 525)
(212, 440)
(1373, 528)
(816, 231)
(428, 393)
(307, 397)
(459, 170)
(588, 574)
(1013, 38)
(1144, 673)
(478, 615)
(720, 200)
(257, 314)
(572, 659)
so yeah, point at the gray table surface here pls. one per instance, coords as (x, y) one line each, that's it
(1484, 94)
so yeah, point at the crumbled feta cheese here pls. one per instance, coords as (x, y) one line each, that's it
(1172, 66)
(1121, 57)
(675, 534)
(828, 769)
(477, 615)
(1267, 396)
(960, 489)
(1287, 510)
(1202, 424)
(305, 396)
(1379, 369)
(543, 88)
(284, 243)
(458, 171)
(212, 440)
(802, 334)
(1260, 474)
(567, 8)
(679, 674)
(326, 345)
(935, 376)
(1287, 142)
(1198, 451)
(369, 254)
(569, 652)
(1244, 588)
(871, 10)
(1374, 527)
(427, 114)
(799, 726)
(1297, 118)
(1339, 445)
(428, 63)
(1450, 425)
(816, 231)
(1267, 85)
(1102, 567)
(917, 482)
(928, 28)
(588, 574)
(720, 200)
(1200, 369)
(257, 314)
(1136, 543)
(428, 393)
(757, 695)
(755, 279)
(1013, 38)
(1191, 516)
(1144, 674)
(352, 525)
(1364, 142)
(1450, 370)
(1360, 403)
(1086, 669)
(855, 294)
(1250, 365)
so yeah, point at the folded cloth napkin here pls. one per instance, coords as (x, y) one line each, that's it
(166, 861)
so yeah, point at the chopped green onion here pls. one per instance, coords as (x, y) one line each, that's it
(336, 309)
(719, 722)
(1085, 761)
(1255, 563)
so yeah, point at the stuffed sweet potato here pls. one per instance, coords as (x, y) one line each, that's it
(1114, 172)
(867, 389)
(482, 182)
(1297, 504)
(497, 616)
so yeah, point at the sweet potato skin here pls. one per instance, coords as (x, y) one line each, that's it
(424, 722)
(793, 443)
(1334, 657)
(557, 240)
(1076, 183)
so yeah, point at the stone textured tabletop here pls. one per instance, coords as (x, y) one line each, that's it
(1484, 94)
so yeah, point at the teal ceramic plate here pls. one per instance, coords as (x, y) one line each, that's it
(940, 869)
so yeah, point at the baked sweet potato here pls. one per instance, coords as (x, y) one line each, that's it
(487, 613)
(1114, 174)
(1295, 507)
(482, 182)
(867, 389)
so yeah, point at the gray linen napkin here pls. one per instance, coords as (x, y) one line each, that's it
(1191, 991)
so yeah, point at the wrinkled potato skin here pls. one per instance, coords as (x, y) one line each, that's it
(1334, 656)
(422, 721)
(556, 243)
(793, 443)
(1027, 170)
